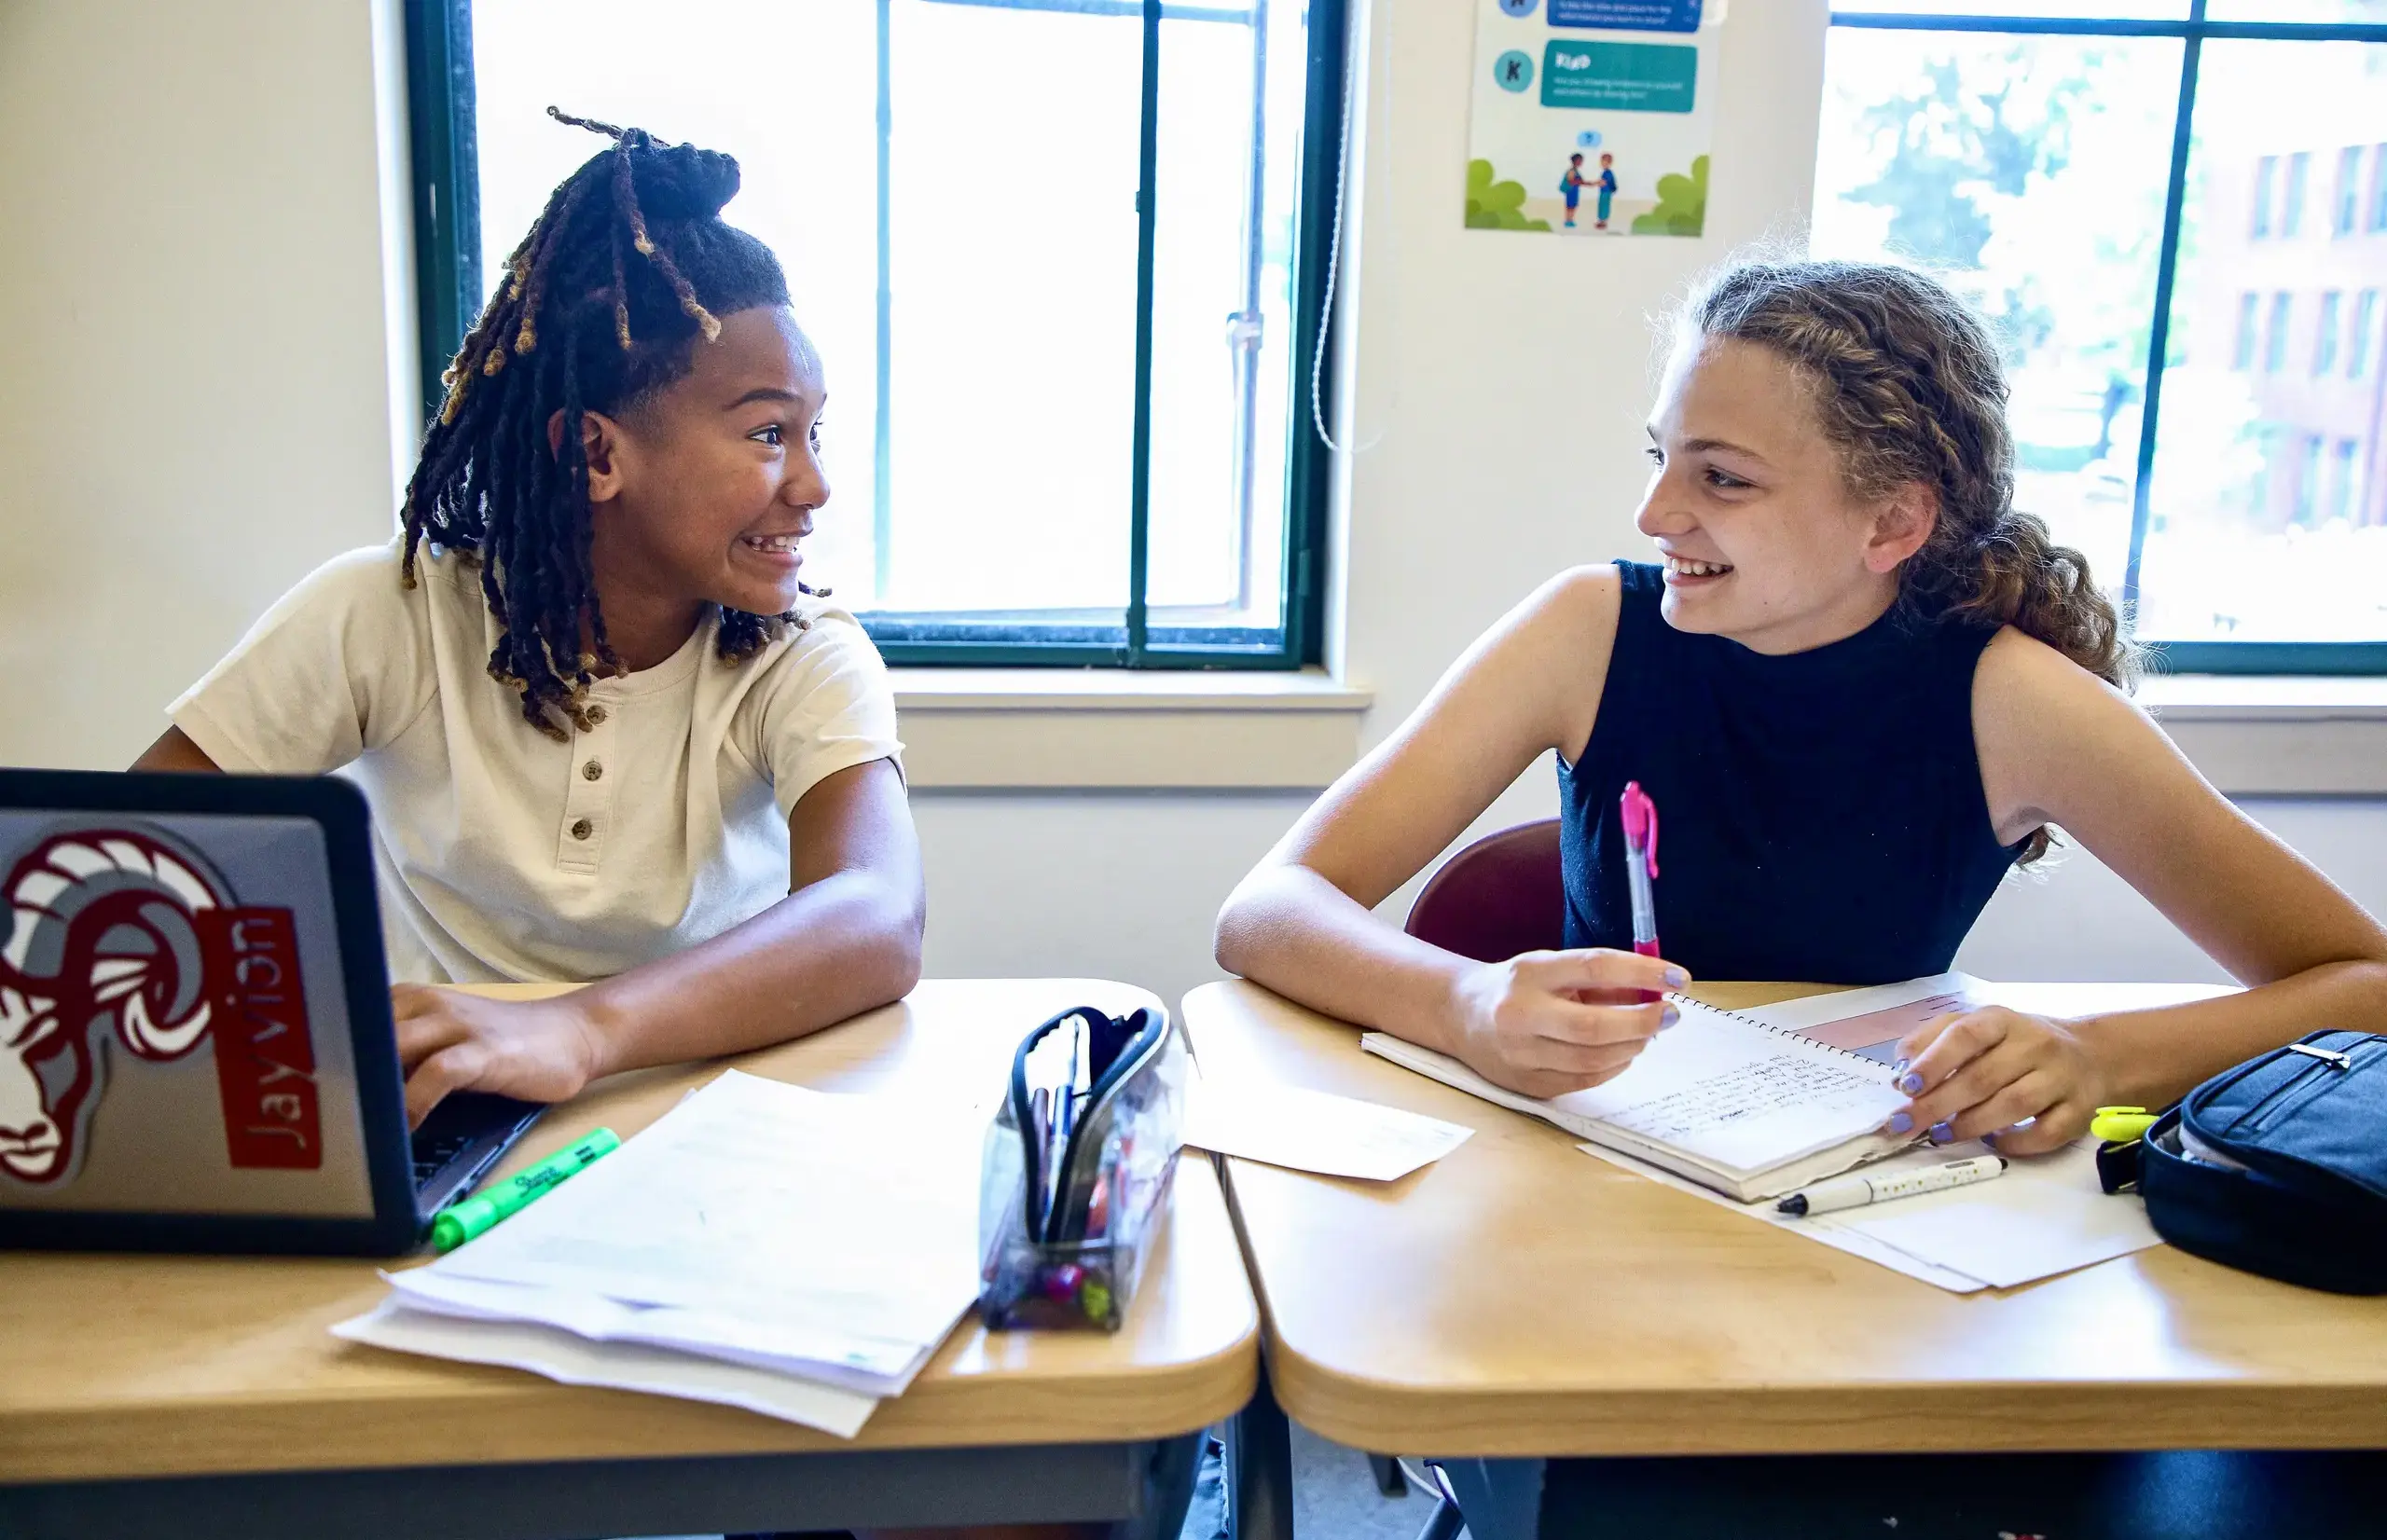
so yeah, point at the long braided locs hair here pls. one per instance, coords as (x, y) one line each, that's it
(603, 304)
(1907, 387)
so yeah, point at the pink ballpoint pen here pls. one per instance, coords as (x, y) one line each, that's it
(1640, 816)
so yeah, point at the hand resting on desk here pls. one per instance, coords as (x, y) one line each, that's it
(1975, 1074)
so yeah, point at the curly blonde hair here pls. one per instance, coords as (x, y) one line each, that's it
(1909, 387)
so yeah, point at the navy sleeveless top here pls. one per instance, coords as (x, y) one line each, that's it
(1820, 815)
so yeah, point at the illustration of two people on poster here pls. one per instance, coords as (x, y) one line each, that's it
(1574, 182)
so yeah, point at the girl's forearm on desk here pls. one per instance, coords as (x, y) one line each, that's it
(2151, 1058)
(1289, 928)
(845, 945)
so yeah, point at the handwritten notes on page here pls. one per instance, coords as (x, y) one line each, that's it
(1747, 1091)
(1737, 1098)
(1311, 1131)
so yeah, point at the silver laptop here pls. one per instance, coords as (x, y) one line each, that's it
(196, 1046)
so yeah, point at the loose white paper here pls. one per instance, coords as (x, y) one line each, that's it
(872, 1367)
(1314, 1131)
(570, 1360)
(757, 1199)
(761, 1244)
(2046, 1216)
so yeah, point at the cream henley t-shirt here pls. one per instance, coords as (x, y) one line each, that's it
(504, 854)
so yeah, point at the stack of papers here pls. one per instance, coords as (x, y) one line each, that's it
(761, 1245)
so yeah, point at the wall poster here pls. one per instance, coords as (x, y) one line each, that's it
(1592, 118)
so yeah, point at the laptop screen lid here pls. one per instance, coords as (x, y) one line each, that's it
(196, 1048)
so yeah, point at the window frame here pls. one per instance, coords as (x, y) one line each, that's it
(442, 111)
(2193, 31)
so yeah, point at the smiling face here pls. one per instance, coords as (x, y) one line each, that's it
(699, 492)
(1763, 540)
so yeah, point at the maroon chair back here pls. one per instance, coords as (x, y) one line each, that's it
(1498, 897)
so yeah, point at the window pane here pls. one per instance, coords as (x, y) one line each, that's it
(797, 107)
(2266, 518)
(1012, 214)
(1227, 185)
(992, 500)
(2295, 11)
(2290, 207)
(2029, 172)
(2134, 10)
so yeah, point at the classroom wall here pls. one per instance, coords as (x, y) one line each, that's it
(206, 307)
(198, 321)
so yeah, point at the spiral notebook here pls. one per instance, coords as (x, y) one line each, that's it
(1735, 1101)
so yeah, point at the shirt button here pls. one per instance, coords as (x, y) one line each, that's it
(596, 715)
(592, 771)
(582, 830)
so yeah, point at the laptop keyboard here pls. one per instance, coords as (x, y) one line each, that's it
(461, 1138)
(432, 1155)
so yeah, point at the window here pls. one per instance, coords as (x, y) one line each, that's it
(2308, 478)
(2291, 211)
(2113, 185)
(1064, 261)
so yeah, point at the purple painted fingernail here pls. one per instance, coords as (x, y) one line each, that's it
(1676, 978)
(1989, 1139)
(1911, 1082)
(1668, 1017)
(1900, 1066)
(1941, 1134)
(1901, 1123)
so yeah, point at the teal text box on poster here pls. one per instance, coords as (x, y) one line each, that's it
(1619, 77)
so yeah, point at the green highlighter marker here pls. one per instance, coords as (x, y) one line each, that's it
(461, 1223)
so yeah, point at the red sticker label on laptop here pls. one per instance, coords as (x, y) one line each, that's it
(265, 1056)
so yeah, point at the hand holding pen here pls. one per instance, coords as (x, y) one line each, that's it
(1547, 1022)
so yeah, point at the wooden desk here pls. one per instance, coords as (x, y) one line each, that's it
(1521, 1298)
(124, 1367)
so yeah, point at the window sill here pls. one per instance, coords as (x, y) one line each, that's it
(1117, 729)
(2277, 736)
(988, 728)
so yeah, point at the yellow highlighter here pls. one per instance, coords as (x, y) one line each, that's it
(2122, 1124)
